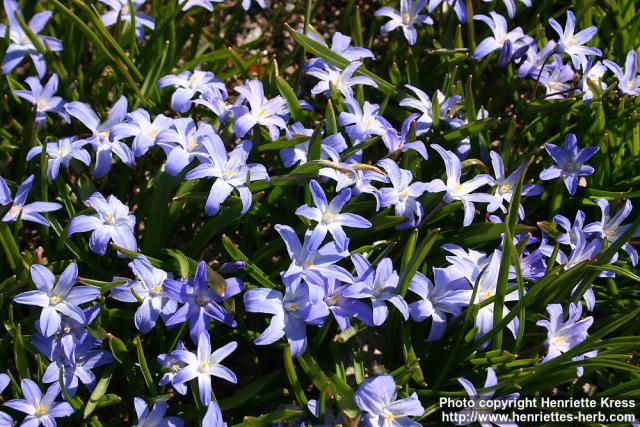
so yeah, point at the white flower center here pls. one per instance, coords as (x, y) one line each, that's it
(40, 410)
(406, 18)
(558, 340)
(55, 299)
(42, 104)
(328, 217)
(156, 290)
(485, 295)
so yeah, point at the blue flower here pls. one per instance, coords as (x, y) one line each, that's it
(43, 98)
(30, 212)
(200, 302)
(328, 215)
(573, 44)
(60, 153)
(172, 367)
(425, 106)
(21, 44)
(358, 177)
(154, 416)
(343, 80)
(569, 237)
(459, 7)
(144, 131)
(471, 412)
(311, 262)
(593, 73)
(456, 190)
(487, 279)
(101, 139)
(269, 113)
(213, 416)
(505, 185)
(570, 163)
(75, 366)
(399, 142)
(511, 5)
(511, 44)
(203, 365)
(188, 84)
(148, 287)
(611, 228)
(448, 296)
(562, 336)
(380, 285)
(361, 123)
(377, 398)
(40, 409)
(230, 172)
(246, 4)
(406, 18)
(340, 44)
(57, 298)
(207, 4)
(554, 78)
(402, 195)
(330, 146)
(628, 81)
(182, 142)
(343, 307)
(5, 420)
(111, 221)
(120, 12)
(291, 312)
(534, 60)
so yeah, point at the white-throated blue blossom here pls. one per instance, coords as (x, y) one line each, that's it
(487, 280)
(563, 335)
(310, 261)
(380, 285)
(610, 228)
(112, 221)
(330, 146)
(399, 142)
(592, 77)
(628, 80)
(328, 216)
(206, 4)
(187, 84)
(511, 44)
(269, 113)
(424, 104)
(570, 162)
(573, 44)
(43, 98)
(377, 398)
(171, 367)
(200, 303)
(459, 7)
(343, 80)
(147, 286)
(40, 409)
(213, 416)
(182, 142)
(20, 44)
(57, 298)
(229, 171)
(361, 123)
(511, 5)
(447, 296)
(506, 185)
(340, 44)
(408, 16)
(291, 313)
(454, 189)
(60, 153)
(153, 416)
(75, 366)
(101, 139)
(402, 194)
(26, 212)
(555, 78)
(471, 413)
(203, 364)
(5, 419)
(121, 11)
(144, 131)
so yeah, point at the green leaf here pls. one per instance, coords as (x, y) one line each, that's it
(98, 392)
(253, 270)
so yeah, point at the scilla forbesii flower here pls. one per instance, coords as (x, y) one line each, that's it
(408, 16)
(378, 399)
(26, 212)
(40, 409)
(570, 162)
